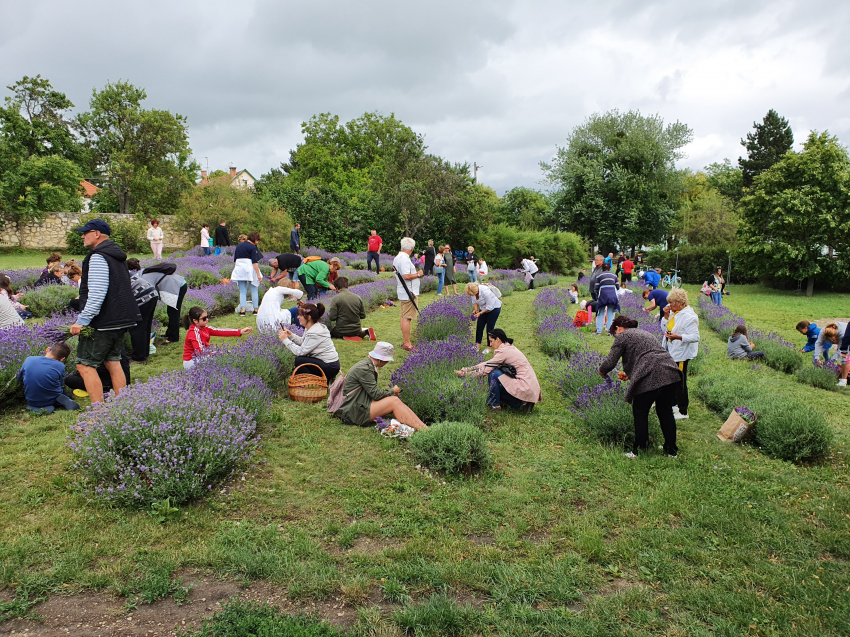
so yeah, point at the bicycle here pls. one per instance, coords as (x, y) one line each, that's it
(672, 281)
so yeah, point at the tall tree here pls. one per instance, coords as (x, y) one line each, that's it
(797, 209)
(706, 216)
(525, 209)
(617, 180)
(133, 147)
(727, 179)
(41, 158)
(765, 146)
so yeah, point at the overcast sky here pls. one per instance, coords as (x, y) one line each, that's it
(498, 82)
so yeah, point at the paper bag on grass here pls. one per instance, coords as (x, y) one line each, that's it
(735, 429)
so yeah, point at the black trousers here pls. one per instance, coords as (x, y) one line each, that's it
(682, 400)
(663, 397)
(373, 256)
(140, 336)
(172, 334)
(330, 369)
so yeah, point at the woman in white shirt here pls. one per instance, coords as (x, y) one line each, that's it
(155, 237)
(205, 240)
(315, 347)
(482, 268)
(681, 341)
(530, 269)
(487, 310)
(271, 315)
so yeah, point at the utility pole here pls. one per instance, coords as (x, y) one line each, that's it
(475, 168)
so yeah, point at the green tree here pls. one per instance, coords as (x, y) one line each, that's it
(140, 154)
(727, 179)
(525, 208)
(765, 146)
(797, 209)
(41, 159)
(706, 217)
(617, 180)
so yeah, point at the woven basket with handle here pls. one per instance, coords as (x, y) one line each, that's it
(308, 388)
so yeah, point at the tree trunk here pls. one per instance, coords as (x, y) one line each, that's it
(810, 286)
(124, 203)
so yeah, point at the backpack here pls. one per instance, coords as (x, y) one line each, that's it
(336, 396)
(496, 291)
(581, 318)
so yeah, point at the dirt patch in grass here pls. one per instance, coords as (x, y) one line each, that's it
(481, 539)
(373, 546)
(827, 321)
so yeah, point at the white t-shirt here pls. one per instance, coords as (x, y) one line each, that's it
(529, 266)
(271, 315)
(404, 265)
(482, 268)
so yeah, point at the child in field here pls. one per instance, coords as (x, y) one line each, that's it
(574, 293)
(198, 332)
(738, 347)
(42, 378)
(811, 331)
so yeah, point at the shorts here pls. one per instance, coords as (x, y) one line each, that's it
(104, 345)
(408, 310)
(292, 274)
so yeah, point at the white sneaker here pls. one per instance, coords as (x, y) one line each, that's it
(675, 409)
(631, 455)
(679, 416)
(842, 382)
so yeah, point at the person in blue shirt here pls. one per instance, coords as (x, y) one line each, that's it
(610, 260)
(42, 378)
(811, 331)
(652, 278)
(657, 300)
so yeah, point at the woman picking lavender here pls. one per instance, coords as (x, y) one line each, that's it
(198, 332)
(487, 310)
(512, 378)
(654, 378)
(315, 347)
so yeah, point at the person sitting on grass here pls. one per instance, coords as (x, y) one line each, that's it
(42, 378)
(574, 293)
(830, 335)
(738, 347)
(517, 388)
(347, 310)
(811, 331)
(364, 401)
(7, 291)
(53, 276)
(198, 333)
(652, 278)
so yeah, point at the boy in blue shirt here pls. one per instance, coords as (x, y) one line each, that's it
(811, 331)
(42, 378)
(657, 300)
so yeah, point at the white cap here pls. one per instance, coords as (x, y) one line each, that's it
(383, 351)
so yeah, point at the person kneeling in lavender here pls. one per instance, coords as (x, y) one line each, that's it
(512, 379)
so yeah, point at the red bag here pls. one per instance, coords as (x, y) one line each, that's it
(581, 318)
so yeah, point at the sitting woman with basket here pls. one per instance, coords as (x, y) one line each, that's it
(314, 348)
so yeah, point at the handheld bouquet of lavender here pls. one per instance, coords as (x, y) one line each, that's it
(87, 331)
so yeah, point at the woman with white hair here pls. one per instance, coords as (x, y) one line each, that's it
(681, 341)
(471, 264)
(487, 310)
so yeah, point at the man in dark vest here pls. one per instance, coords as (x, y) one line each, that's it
(107, 306)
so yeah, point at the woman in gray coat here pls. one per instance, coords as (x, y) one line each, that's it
(653, 376)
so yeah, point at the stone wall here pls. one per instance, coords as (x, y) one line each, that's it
(50, 233)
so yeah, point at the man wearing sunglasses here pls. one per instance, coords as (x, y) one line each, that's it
(107, 306)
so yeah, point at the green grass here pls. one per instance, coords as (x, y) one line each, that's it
(562, 537)
(12, 259)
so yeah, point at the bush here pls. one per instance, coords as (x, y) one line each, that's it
(722, 392)
(169, 437)
(48, 300)
(573, 375)
(793, 432)
(505, 247)
(821, 377)
(196, 278)
(778, 355)
(449, 316)
(260, 355)
(451, 447)
(697, 364)
(130, 235)
(608, 417)
(696, 263)
(238, 618)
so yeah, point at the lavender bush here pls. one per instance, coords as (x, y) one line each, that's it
(165, 438)
(24, 278)
(825, 377)
(452, 448)
(572, 375)
(607, 417)
(261, 355)
(448, 316)
(431, 388)
(47, 300)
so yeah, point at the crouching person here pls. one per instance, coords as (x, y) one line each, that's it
(512, 379)
(347, 310)
(738, 346)
(364, 401)
(42, 378)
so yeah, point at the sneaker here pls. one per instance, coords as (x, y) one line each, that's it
(242, 313)
(255, 312)
(670, 456)
(372, 336)
(679, 416)
(631, 455)
(675, 409)
(496, 407)
(842, 382)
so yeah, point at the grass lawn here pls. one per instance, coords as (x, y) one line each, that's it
(16, 260)
(563, 537)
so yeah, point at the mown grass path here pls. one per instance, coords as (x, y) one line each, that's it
(564, 537)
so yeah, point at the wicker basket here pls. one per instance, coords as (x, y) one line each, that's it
(308, 388)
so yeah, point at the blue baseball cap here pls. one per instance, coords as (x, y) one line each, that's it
(96, 224)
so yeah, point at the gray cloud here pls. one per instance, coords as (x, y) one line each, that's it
(498, 82)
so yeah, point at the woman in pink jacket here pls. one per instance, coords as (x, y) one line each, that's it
(512, 379)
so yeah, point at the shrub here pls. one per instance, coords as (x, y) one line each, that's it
(431, 388)
(608, 417)
(197, 278)
(821, 377)
(559, 337)
(451, 447)
(505, 247)
(791, 431)
(449, 316)
(169, 437)
(261, 355)
(722, 392)
(777, 354)
(238, 618)
(576, 373)
(697, 364)
(24, 278)
(130, 235)
(47, 300)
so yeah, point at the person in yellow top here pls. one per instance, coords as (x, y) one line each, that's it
(155, 237)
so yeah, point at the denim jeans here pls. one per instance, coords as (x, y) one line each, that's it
(441, 276)
(486, 321)
(498, 394)
(473, 274)
(376, 257)
(600, 314)
(717, 298)
(207, 251)
(243, 294)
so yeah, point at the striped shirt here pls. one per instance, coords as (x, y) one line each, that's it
(98, 282)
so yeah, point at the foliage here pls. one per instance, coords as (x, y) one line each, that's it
(793, 432)
(243, 209)
(138, 150)
(821, 377)
(239, 617)
(608, 417)
(696, 263)
(766, 146)
(47, 300)
(797, 208)
(451, 447)
(129, 234)
(504, 247)
(525, 209)
(727, 179)
(163, 512)
(196, 278)
(41, 160)
(448, 316)
(707, 217)
(618, 184)
(777, 353)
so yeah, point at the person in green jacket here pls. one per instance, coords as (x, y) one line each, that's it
(347, 310)
(314, 276)
(364, 401)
